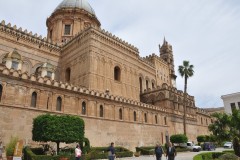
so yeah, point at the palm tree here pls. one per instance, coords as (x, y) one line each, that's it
(186, 71)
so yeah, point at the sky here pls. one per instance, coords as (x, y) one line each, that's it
(204, 32)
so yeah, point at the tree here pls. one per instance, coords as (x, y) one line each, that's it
(220, 127)
(186, 71)
(236, 146)
(179, 138)
(207, 138)
(58, 129)
(212, 138)
(201, 138)
(235, 123)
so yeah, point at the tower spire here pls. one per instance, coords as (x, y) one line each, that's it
(164, 40)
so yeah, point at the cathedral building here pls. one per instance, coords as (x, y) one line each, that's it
(81, 69)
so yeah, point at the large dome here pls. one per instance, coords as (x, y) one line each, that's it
(77, 4)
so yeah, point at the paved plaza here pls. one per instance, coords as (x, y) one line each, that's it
(180, 156)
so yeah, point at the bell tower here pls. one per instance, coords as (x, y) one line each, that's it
(166, 54)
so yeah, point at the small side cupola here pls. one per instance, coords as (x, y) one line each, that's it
(13, 60)
(46, 70)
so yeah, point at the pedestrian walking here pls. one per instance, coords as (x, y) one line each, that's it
(78, 152)
(111, 152)
(159, 152)
(171, 152)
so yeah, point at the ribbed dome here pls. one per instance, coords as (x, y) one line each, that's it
(78, 4)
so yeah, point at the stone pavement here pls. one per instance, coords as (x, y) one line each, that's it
(180, 156)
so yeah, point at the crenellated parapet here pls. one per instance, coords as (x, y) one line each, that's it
(123, 43)
(48, 82)
(146, 62)
(153, 57)
(76, 37)
(172, 100)
(203, 112)
(165, 92)
(34, 39)
(114, 40)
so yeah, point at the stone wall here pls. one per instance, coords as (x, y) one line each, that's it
(17, 121)
(151, 125)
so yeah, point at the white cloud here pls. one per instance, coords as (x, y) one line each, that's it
(204, 32)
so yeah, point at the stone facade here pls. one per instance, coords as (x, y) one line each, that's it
(121, 96)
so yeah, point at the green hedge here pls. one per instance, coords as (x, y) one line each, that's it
(86, 148)
(95, 153)
(179, 138)
(229, 151)
(146, 150)
(29, 155)
(208, 156)
(37, 151)
(150, 150)
(102, 152)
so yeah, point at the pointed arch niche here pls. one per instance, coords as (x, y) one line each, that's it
(34, 100)
(1, 91)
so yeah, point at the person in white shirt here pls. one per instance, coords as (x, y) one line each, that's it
(78, 152)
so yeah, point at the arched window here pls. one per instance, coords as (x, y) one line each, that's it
(135, 116)
(50, 34)
(101, 111)
(147, 85)
(165, 120)
(59, 104)
(15, 65)
(156, 119)
(145, 117)
(84, 108)
(37, 71)
(34, 100)
(67, 74)
(47, 102)
(206, 122)
(140, 83)
(120, 114)
(49, 74)
(1, 90)
(117, 73)
(67, 29)
(201, 121)
(153, 86)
